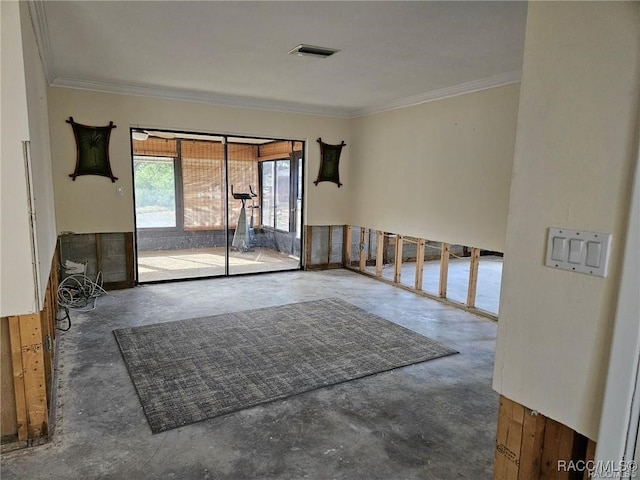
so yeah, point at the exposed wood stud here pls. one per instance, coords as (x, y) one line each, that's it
(348, 235)
(473, 277)
(46, 316)
(18, 377)
(27, 354)
(444, 270)
(551, 449)
(589, 457)
(532, 443)
(419, 263)
(379, 253)
(363, 253)
(397, 272)
(34, 377)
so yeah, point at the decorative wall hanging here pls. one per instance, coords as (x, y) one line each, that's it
(329, 163)
(92, 145)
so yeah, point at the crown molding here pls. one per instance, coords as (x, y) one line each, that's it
(260, 104)
(199, 97)
(500, 80)
(39, 23)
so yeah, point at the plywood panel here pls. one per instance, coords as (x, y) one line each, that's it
(508, 440)
(530, 446)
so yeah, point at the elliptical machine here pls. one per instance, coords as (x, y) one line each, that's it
(243, 236)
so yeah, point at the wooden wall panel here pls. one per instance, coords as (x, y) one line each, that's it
(530, 446)
(27, 349)
(32, 357)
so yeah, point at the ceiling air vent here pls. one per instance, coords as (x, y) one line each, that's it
(313, 51)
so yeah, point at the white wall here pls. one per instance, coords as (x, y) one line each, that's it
(17, 283)
(36, 89)
(92, 203)
(439, 171)
(575, 145)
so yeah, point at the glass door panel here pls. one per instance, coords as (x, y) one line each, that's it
(265, 232)
(180, 207)
(204, 208)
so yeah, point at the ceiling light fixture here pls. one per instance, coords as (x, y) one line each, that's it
(303, 50)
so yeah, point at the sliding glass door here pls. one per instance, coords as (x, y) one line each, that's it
(209, 205)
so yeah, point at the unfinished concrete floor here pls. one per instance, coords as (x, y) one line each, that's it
(435, 420)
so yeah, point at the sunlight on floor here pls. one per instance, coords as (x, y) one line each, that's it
(207, 262)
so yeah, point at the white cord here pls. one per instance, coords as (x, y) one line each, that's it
(79, 292)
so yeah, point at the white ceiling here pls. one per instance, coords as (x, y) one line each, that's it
(235, 53)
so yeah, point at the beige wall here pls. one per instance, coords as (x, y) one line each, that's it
(92, 204)
(575, 149)
(17, 284)
(36, 89)
(8, 422)
(439, 171)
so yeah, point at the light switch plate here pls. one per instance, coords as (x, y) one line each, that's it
(578, 251)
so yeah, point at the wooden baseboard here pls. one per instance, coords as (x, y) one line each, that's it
(323, 266)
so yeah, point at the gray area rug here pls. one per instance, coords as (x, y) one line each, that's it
(190, 370)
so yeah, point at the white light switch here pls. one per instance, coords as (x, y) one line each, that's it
(559, 251)
(575, 250)
(594, 251)
(578, 251)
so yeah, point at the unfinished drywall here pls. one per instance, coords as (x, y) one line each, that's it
(575, 149)
(8, 422)
(439, 171)
(92, 204)
(36, 89)
(17, 284)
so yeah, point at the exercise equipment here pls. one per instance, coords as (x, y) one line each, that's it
(243, 236)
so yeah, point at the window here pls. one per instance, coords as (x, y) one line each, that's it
(282, 204)
(299, 201)
(281, 194)
(155, 191)
(179, 183)
(268, 194)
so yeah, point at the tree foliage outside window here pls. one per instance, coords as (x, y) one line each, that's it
(155, 191)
